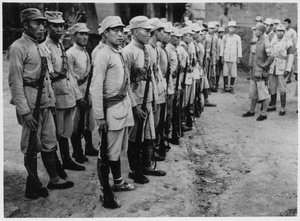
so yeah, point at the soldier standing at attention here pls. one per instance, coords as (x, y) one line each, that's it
(219, 65)
(63, 91)
(110, 94)
(231, 54)
(25, 57)
(80, 66)
(291, 34)
(261, 62)
(283, 52)
(157, 33)
(137, 63)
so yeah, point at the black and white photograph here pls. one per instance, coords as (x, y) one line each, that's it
(128, 109)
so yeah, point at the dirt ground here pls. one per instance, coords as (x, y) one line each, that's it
(228, 166)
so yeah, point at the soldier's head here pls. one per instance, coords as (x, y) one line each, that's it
(287, 23)
(113, 30)
(269, 25)
(186, 35)
(231, 27)
(225, 9)
(280, 30)
(140, 28)
(195, 27)
(55, 24)
(188, 6)
(80, 34)
(158, 29)
(205, 29)
(276, 23)
(259, 19)
(211, 27)
(175, 37)
(166, 37)
(33, 23)
(260, 29)
(221, 32)
(127, 35)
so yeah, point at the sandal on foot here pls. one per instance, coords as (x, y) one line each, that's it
(123, 187)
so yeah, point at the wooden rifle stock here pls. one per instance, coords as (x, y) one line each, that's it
(33, 134)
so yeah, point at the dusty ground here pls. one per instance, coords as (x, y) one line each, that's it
(226, 166)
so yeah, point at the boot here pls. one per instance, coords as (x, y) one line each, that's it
(77, 148)
(89, 148)
(272, 103)
(189, 120)
(283, 102)
(32, 190)
(231, 85)
(61, 173)
(225, 79)
(217, 82)
(48, 159)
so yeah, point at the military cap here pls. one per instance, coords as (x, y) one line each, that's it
(176, 32)
(253, 28)
(195, 27)
(80, 27)
(261, 27)
(186, 30)
(280, 27)
(111, 22)
(217, 23)
(269, 21)
(188, 5)
(156, 23)
(259, 18)
(168, 27)
(221, 29)
(232, 24)
(100, 30)
(211, 25)
(188, 22)
(140, 22)
(31, 14)
(276, 21)
(163, 20)
(54, 17)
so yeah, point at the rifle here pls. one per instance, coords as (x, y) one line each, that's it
(86, 98)
(139, 133)
(33, 134)
(183, 87)
(109, 199)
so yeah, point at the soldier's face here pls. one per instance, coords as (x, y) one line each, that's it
(160, 35)
(231, 29)
(35, 29)
(258, 32)
(114, 36)
(187, 38)
(175, 40)
(221, 34)
(280, 34)
(143, 35)
(196, 36)
(56, 30)
(211, 30)
(81, 38)
(268, 28)
(166, 38)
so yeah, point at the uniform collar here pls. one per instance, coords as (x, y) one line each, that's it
(30, 39)
(119, 50)
(49, 39)
(78, 47)
(137, 44)
(171, 46)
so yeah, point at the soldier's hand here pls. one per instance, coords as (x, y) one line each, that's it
(239, 60)
(102, 125)
(31, 122)
(82, 103)
(139, 113)
(286, 73)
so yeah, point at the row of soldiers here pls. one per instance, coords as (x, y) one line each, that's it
(141, 93)
(141, 96)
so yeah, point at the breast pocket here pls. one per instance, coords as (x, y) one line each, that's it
(60, 87)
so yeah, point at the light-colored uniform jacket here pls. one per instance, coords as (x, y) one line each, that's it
(108, 78)
(63, 88)
(232, 48)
